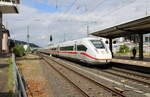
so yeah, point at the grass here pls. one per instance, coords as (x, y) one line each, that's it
(11, 79)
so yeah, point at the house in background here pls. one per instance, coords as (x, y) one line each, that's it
(147, 38)
(5, 40)
(9, 6)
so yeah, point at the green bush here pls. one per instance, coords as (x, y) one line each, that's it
(19, 50)
(123, 49)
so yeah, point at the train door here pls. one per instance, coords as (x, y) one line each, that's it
(81, 49)
(75, 50)
(58, 49)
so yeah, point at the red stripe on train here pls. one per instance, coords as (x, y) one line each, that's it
(68, 52)
(84, 54)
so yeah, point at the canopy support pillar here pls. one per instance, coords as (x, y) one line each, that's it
(111, 46)
(1, 33)
(141, 47)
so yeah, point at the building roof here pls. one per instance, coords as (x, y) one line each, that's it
(18, 1)
(134, 27)
(9, 6)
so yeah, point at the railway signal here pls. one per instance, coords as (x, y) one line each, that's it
(51, 38)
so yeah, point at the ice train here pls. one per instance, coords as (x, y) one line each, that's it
(88, 50)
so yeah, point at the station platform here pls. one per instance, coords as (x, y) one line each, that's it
(127, 62)
(4, 65)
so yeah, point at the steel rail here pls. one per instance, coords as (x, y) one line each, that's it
(90, 79)
(130, 72)
(78, 88)
(127, 77)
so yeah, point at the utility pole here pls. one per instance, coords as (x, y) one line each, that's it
(87, 30)
(64, 36)
(56, 4)
(88, 27)
(28, 36)
(146, 10)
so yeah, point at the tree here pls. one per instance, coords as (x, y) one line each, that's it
(123, 49)
(19, 50)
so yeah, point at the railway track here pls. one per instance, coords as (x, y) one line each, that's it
(145, 76)
(127, 74)
(144, 79)
(110, 90)
(75, 86)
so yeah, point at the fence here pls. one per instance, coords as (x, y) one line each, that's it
(19, 85)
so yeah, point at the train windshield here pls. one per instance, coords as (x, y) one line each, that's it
(98, 44)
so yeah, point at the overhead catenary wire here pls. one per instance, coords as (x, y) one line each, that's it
(70, 6)
(111, 12)
(85, 6)
(115, 10)
(87, 14)
(98, 4)
(67, 12)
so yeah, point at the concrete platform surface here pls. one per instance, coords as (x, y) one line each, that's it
(127, 60)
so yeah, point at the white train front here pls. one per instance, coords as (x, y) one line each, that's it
(88, 50)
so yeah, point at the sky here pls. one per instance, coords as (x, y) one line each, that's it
(68, 19)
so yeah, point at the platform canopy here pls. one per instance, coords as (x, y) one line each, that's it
(9, 6)
(134, 27)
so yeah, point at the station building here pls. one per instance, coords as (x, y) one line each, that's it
(147, 38)
(6, 7)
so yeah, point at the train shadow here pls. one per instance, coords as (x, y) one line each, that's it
(136, 68)
(97, 66)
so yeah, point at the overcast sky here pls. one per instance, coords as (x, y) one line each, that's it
(70, 18)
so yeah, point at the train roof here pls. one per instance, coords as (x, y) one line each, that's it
(68, 43)
(87, 38)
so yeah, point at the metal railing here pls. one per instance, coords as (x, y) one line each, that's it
(19, 85)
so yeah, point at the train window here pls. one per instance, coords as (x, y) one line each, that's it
(61, 48)
(66, 48)
(98, 44)
(81, 48)
(53, 49)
